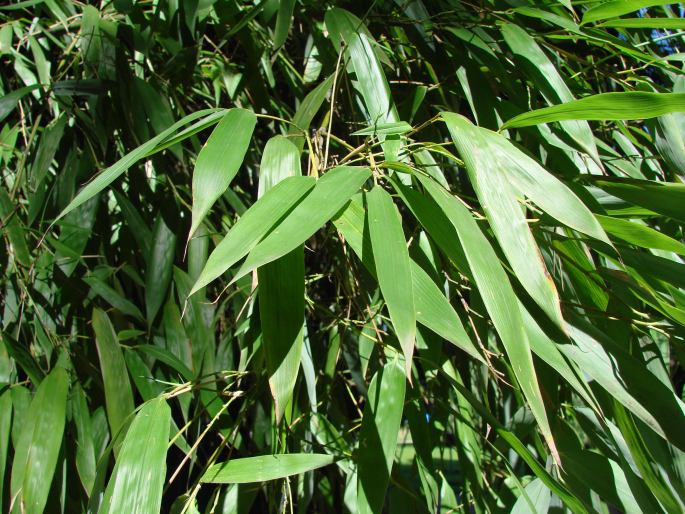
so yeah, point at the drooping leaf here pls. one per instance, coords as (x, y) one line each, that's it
(138, 478)
(252, 226)
(281, 287)
(118, 395)
(159, 269)
(348, 30)
(219, 161)
(109, 175)
(378, 436)
(284, 20)
(433, 310)
(499, 300)
(12, 229)
(330, 193)
(486, 168)
(37, 451)
(547, 78)
(392, 268)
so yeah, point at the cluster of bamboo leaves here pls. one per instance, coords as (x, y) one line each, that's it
(298, 256)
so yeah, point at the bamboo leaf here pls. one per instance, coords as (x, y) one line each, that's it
(219, 160)
(281, 287)
(307, 110)
(5, 430)
(635, 233)
(548, 192)
(386, 129)
(37, 451)
(392, 268)
(284, 20)
(109, 175)
(616, 8)
(433, 310)
(487, 172)
(12, 229)
(264, 468)
(9, 101)
(632, 105)
(378, 436)
(328, 196)
(252, 226)
(499, 300)
(645, 23)
(549, 81)
(138, 477)
(348, 30)
(118, 395)
(628, 382)
(663, 197)
(160, 264)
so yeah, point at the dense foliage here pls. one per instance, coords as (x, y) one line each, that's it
(280, 256)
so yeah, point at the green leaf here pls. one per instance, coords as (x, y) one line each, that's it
(386, 129)
(160, 267)
(433, 310)
(514, 442)
(10, 100)
(628, 381)
(329, 195)
(265, 467)
(252, 226)
(85, 449)
(393, 269)
(499, 299)
(75, 230)
(634, 232)
(548, 192)
(378, 436)
(307, 110)
(118, 395)
(487, 169)
(109, 175)
(281, 287)
(645, 23)
(112, 297)
(166, 357)
(37, 451)
(219, 161)
(544, 74)
(666, 198)
(139, 473)
(348, 30)
(616, 8)
(632, 105)
(284, 20)
(5, 430)
(13, 230)
(49, 144)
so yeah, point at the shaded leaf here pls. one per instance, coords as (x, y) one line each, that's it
(37, 451)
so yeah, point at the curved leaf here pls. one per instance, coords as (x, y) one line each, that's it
(219, 161)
